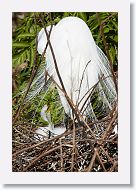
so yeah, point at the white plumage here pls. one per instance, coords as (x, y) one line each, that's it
(80, 62)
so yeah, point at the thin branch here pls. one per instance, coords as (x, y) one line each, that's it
(106, 153)
(89, 168)
(34, 71)
(61, 155)
(41, 155)
(110, 125)
(57, 70)
(82, 80)
(106, 48)
(74, 145)
(100, 160)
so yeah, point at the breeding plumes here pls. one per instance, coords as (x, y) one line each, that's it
(82, 66)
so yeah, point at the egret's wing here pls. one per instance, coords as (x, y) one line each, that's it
(39, 82)
(106, 88)
(104, 94)
(105, 69)
(103, 58)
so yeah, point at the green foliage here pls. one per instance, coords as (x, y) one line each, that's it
(51, 99)
(24, 49)
(54, 105)
(25, 35)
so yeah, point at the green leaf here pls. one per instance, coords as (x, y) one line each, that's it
(116, 38)
(25, 35)
(20, 44)
(32, 56)
(28, 55)
(66, 14)
(19, 58)
(106, 30)
(112, 54)
(115, 24)
(83, 16)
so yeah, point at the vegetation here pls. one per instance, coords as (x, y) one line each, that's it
(26, 115)
(26, 26)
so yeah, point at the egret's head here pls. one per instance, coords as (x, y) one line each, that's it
(42, 39)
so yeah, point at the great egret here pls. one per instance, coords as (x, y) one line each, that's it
(81, 64)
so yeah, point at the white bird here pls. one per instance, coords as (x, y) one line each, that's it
(45, 131)
(81, 64)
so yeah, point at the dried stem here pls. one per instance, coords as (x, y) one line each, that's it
(106, 49)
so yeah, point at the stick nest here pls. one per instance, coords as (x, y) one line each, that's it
(81, 148)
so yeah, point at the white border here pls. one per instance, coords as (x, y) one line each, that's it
(6, 9)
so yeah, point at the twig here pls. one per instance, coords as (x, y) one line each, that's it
(107, 19)
(43, 142)
(107, 49)
(76, 110)
(110, 125)
(100, 160)
(90, 92)
(89, 168)
(106, 154)
(82, 80)
(34, 71)
(37, 158)
(74, 146)
(113, 167)
(61, 155)
(57, 69)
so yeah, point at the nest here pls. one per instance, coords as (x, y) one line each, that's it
(86, 146)
(92, 147)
